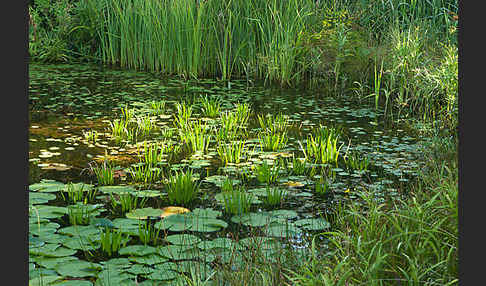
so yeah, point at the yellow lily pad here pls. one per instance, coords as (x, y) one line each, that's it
(168, 211)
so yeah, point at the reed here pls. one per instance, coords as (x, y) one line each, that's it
(273, 141)
(210, 106)
(236, 201)
(231, 152)
(181, 189)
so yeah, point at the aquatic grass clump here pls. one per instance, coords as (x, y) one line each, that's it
(126, 202)
(91, 136)
(181, 188)
(323, 147)
(322, 186)
(273, 141)
(158, 107)
(232, 152)
(73, 194)
(144, 173)
(148, 233)
(266, 173)
(298, 166)
(356, 162)
(273, 124)
(118, 129)
(230, 126)
(153, 154)
(145, 125)
(127, 114)
(196, 136)
(210, 107)
(242, 113)
(274, 197)
(79, 214)
(237, 201)
(112, 240)
(105, 174)
(183, 115)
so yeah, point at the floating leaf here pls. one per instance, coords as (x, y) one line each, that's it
(168, 211)
(183, 239)
(144, 213)
(119, 190)
(78, 268)
(312, 223)
(137, 250)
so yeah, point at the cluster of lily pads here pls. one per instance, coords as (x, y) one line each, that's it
(191, 184)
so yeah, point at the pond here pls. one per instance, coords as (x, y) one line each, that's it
(135, 177)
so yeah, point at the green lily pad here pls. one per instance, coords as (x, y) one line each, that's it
(252, 219)
(177, 252)
(52, 250)
(114, 277)
(259, 242)
(282, 230)
(137, 250)
(149, 259)
(119, 190)
(183, 239)
(78, 268)
(44, 211)
(159, 275)
(43, 280)
(208, 212)
(312, 223)
(52, 262)
(283, 214)
(47, 186)
(138, 269)
(80, 230)
(83, 243)
(40, 198)
(43, 228)
(127, 225)
(147, 193)
(73, 283)
(144, 213)
(220, 242)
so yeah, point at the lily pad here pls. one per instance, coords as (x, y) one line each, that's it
(47, 186)
(78, 268)
(183, 239)
(252, 219)
(144, 213)
(137, 250)
(312, 223)
(282, 230)
(149, 259)
(40, 198)
(119, 190)
(168, 211)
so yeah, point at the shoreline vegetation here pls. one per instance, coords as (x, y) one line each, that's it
(400, 55)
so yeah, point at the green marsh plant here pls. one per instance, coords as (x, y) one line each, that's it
(323, 146)
(152, 154)
(356, 162)
(105, 174)
(127, 114)
(73, 194)
(242, 113)
(274, 197)
(183, 115)
(79, 214)
(148, 233)
(273, 124)
(196, 136)
(126, 202)
(210, 107)
(322, 186)
(112, 240)
(266, 173)
(91, 136)
(144, 173)
(237, 201)
(273, 141)
(158, 107)
(231, 152)
(145, 125)
(181, 188)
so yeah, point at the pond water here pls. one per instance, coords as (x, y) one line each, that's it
(67, 103)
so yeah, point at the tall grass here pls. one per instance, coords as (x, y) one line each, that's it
(203, 38)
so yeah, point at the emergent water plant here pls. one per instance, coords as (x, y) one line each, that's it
(237, 201)
(182, 189)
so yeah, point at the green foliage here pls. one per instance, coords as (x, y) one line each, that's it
(274, 197)
(231, 152)
(112, 240)
(323, 146)
(104, 173)
(273, 141)
(266, 173)
(237, 201)
(181, 189)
